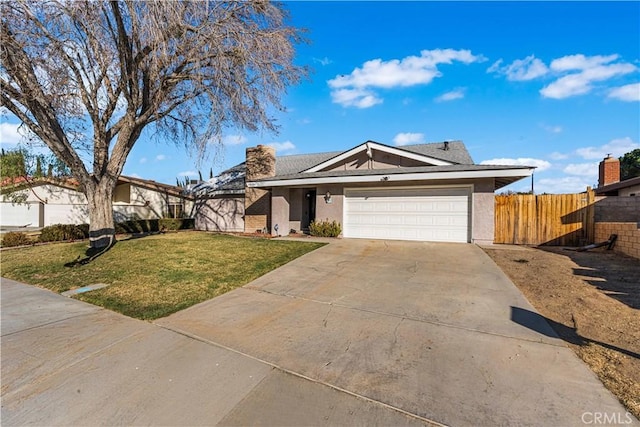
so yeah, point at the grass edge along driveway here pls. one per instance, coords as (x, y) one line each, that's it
(154, 276)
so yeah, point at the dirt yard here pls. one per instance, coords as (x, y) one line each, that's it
(592, 300)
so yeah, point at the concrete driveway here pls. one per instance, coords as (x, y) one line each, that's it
(435, 330)
(355, 333)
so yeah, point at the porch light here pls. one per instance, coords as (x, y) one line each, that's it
(327, 197)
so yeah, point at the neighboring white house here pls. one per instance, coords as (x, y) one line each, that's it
(48, 201)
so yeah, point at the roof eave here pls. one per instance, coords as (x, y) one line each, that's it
(507, 175)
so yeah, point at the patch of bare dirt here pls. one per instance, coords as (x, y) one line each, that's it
(592, 301)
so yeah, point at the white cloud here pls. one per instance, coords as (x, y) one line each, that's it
(188, 173)
(615, 147)
(552, 129)
(582, 169)
(323, 61)
(355, 98)
(304, 121)
(522, 161)
(408, 138)
(457, 93)
(354, 90)
(525, 69)
(580, 62)
(558, 156)
(143, 160)
(628, 93)
(161, 157)
(566, 184)
(282, 146)
(9, 134)
(134, 175)
(589, 71)
(234, 140)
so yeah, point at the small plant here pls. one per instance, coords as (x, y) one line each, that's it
(15, 238)
(63, 232)
(325, 228)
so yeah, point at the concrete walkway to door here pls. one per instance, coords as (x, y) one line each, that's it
(434, 330)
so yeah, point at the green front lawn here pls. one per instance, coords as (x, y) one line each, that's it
(154, 276)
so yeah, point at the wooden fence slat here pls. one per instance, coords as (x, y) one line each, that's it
(553, 219)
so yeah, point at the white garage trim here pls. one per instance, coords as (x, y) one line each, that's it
(433, 213)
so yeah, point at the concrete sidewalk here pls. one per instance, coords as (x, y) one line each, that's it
(65, 362)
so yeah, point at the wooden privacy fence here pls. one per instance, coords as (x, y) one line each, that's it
(551, 219)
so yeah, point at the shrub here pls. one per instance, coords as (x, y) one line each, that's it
(177, 224)
(136, 226)
(15, 238)
(325, 228)
(62, 232)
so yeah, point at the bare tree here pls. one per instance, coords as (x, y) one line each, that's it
(87, 77)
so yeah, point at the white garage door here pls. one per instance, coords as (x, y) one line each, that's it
(21, 214)
(425, 214)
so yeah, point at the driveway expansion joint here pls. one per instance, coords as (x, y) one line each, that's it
(405, 317)
(53, 322)
(299, 375)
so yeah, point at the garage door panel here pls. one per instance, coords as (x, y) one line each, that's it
(427, 214)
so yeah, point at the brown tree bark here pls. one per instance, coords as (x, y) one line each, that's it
(102, 231)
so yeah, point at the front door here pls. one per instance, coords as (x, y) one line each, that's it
(309, 208)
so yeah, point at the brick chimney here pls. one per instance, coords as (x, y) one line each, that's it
(609, 172)
(260, 163)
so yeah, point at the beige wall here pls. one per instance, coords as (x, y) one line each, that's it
(60, 205)
(144, 203)
(330, 211)
(66, 206)
(635, 190)
(280, 212)
(222, 213)
(289, 202)
(628, 241)
(296, 198)
(483, 211)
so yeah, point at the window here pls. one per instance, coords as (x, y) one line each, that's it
(175, 210)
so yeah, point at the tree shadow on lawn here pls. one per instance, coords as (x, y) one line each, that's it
(545, 326)
(92, 253)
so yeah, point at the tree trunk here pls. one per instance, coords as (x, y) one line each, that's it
(102, 232)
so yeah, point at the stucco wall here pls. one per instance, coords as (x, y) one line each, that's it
(330, 211)
(483, 209)
(146, 204)
(222, 213)
(61, 205)
(289, 201)
(280, 211)
(296, 198)
(630, 191)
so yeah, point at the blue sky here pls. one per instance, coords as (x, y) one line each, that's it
(549, 84)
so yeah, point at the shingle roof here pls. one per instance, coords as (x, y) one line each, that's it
(456, 152)
(230, 181)
(293, 165)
